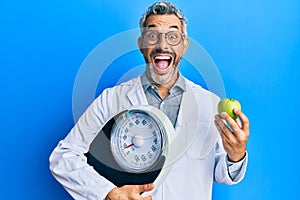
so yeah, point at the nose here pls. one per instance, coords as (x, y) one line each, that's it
(163, 44)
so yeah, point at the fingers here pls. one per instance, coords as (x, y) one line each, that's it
(233, 133)
(222, 128)
(243, 118)
(238, 122)
(140, 197)
(145, 187)
(130, 192)
(238, 126)
(148, 198)
(231, 122)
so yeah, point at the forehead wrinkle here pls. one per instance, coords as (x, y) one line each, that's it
(164, 22)
(157, 28)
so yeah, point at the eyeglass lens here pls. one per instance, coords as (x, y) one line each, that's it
(173, 37)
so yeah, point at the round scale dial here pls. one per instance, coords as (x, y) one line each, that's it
(136, 141)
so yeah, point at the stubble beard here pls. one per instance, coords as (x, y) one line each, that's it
(163, 79)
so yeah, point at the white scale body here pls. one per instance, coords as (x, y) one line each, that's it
(132, 144)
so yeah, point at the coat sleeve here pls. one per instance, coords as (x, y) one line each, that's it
(68, 163)
(222, 173)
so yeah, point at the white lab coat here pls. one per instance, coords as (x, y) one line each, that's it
(199, 157)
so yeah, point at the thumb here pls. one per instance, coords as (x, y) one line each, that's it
(145, 187)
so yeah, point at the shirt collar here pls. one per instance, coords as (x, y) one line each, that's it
(180, 83)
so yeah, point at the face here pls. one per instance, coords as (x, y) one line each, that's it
(162, 58)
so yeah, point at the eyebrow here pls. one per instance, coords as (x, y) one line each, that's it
(153, 26)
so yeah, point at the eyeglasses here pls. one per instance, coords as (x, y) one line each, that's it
(173, 38)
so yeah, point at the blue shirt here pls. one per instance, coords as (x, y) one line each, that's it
(171, 103)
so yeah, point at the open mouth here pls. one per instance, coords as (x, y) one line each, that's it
(161, 62)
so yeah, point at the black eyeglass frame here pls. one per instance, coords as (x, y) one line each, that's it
(182, 37)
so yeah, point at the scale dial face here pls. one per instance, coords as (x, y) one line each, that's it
(136, 141)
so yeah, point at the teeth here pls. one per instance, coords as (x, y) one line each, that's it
(163, 57)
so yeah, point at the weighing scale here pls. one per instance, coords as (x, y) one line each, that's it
(132, 147)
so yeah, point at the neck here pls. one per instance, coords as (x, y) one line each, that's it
(163, 89)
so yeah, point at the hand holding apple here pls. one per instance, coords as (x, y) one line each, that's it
(233, 126)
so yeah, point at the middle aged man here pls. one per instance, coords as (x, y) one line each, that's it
(163, 42)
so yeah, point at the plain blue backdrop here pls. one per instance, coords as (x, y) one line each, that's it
(255, 45)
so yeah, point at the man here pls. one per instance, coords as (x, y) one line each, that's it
(163, 42)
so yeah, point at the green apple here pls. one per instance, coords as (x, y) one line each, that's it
(228, 105)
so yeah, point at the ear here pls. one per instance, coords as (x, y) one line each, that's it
(140, 44)
(186, 44)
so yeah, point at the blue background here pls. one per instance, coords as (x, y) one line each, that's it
(255, 45)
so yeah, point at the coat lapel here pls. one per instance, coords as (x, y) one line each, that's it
(136, 94)
(195, 131)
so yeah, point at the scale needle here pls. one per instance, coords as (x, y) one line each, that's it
(130, 145)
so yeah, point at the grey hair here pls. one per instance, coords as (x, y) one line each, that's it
(163, 8)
